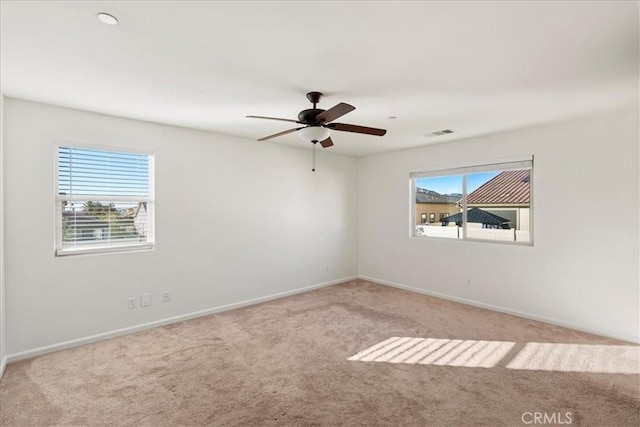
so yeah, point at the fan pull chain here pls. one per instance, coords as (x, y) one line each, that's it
(314, 156)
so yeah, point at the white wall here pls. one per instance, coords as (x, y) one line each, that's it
(581, 272)
(238, 220)
(2, 299)
(235, 220)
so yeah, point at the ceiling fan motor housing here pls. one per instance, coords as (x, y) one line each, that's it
(309, 116)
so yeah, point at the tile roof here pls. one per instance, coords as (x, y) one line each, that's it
(507, 188)
(477, 215)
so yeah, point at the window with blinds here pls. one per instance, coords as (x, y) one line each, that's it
(104, 200)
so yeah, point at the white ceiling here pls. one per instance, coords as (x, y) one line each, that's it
(474, 67)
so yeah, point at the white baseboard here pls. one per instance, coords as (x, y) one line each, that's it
(3, 365)
(137, 328)
(526, 315)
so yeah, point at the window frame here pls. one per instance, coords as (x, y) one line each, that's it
(129, 246)
(463, 171)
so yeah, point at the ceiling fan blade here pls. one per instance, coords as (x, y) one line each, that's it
(326, 143)
(334, 112)
(280, 134)
(356, 129)
(273, 118)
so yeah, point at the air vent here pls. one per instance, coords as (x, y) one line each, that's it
(439, 133)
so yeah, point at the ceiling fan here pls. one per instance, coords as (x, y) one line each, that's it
(318, 123)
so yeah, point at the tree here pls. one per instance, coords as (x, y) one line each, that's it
(120, 224)
(102, 211)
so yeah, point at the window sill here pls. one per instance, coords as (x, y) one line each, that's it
(88, 250)
(499, 242)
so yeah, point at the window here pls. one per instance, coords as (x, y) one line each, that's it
(104, 201)
(488, 202)
(423, 218)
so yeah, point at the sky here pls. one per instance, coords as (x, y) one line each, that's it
(453, 183)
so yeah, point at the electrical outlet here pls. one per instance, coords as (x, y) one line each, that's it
(131, 302)
(468, 282)
(326, 267)
(166, 297)
(145, 300)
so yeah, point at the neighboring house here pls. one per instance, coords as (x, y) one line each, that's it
(506, 195)
(432, 207)
(138, 216)
(81, 226)
(479, 216)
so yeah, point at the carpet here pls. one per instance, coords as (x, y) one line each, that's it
(468, 353)
(285, 362)
(623, 359)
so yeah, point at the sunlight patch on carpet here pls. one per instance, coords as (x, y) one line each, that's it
(611, 359)
(434, 351)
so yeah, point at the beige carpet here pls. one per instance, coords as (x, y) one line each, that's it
(285, 362)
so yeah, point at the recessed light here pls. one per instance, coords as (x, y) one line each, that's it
(392, 117)
(107, 19)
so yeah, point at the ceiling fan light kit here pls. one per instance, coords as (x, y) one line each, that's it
(318, 124)
(314, 133)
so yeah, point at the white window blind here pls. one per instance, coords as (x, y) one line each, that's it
(524, 164)
(104, 200)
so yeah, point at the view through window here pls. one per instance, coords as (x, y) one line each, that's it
(488, 202)
(104, 200)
